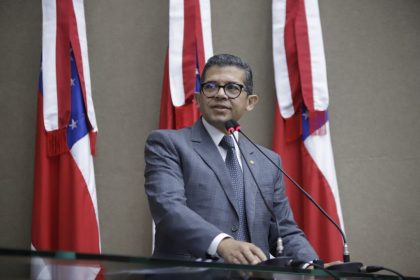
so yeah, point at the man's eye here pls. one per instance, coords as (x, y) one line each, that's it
(233, 87)
(210, 86)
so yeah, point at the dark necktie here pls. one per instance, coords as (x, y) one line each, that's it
(237, 179)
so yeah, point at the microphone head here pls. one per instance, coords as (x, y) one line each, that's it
(232, 125)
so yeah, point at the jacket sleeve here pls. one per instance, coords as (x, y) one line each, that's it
(165, 189)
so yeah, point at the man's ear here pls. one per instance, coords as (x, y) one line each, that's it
(252, 100)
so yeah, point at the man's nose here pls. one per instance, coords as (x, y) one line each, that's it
(221, 93)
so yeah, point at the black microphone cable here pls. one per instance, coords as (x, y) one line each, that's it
(317, 265)
(376, 268)
(321, 267)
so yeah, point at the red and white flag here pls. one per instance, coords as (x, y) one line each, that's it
(301, 127)
(65, 212)
(190, 45)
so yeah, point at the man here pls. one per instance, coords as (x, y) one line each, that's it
(201, 194)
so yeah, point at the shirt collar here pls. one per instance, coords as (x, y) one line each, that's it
(215, 134)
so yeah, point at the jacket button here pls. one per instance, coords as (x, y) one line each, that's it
(234, 228)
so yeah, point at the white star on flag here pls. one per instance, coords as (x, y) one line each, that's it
(72, 81)
(305, 115)
(73, 124)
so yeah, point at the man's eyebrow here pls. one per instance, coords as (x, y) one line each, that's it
(228, 82)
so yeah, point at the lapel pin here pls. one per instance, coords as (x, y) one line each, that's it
(251, 161)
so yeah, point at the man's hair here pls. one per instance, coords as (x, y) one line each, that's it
(223, 60)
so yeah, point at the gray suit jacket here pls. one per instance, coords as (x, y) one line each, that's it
(192, 201)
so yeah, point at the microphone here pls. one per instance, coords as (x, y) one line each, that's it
(348, 266)
(280, 260)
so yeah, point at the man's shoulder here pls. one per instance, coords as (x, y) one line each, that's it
(185, 132)
(169, 134)
(170, 131)
(268, 152)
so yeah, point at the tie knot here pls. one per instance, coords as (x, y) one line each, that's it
(227, 143)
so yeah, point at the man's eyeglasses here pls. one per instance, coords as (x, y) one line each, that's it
(232, 90)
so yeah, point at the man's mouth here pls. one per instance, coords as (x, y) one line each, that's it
(220, 107)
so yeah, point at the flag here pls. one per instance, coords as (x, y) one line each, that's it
(65, 213)
(190, 45)
(301, 125)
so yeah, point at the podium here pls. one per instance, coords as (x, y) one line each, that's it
(26, 264)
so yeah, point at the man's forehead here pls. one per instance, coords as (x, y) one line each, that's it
(225, 72)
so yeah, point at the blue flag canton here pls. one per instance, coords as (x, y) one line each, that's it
(312, 123)
(77, 127)
(197, 87)
(40, 88)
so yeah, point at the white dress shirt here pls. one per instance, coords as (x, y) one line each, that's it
(216, 135)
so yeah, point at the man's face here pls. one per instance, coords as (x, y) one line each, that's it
(219, 109)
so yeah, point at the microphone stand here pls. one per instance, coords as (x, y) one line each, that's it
(279, 260)
(347, 266)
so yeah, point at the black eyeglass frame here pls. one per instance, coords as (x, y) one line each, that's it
(241, 87)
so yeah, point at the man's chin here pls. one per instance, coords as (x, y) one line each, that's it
(219, 121)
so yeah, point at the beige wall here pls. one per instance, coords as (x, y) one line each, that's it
(372, 50)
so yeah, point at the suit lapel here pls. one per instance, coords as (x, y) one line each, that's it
(249, 183)
(205, 147)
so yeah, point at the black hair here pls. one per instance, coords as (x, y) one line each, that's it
(222, 60)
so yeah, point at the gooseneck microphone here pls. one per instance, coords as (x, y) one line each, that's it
(232, 126)
(280, 260)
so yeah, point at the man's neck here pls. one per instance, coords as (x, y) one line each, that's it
(213, 127)
(215, 133)
(219, 127)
